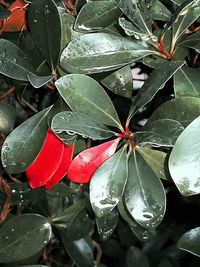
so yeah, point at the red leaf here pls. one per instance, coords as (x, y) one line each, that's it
(47, 161)
(85, 164)
(63, 167)
(17, 20)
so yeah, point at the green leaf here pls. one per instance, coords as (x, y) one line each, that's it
(97, 15)
(140, 232)
(13, 62)
(108, 183)
(139, 12)
(160, 12)
(186, 82)
(183, 109)
(154, 83)
(24, 143)
(98, 52)
(185, 18)
(135, 257)
(163, 132)
(68, 222)
(85, 95)
(45, 27)
(179, 14)
(155, 159)
(184, 160)
(38, 81)
(79, 251)
(190, 241)
(192, 41)
(67, 29)
(106, 224)
(144, 193)
(78, 123)
(28, 233)
(7, 114)
(120, 82)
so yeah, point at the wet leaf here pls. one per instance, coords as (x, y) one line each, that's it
(106, 224)
(97, 15)
(80, 252)
(83, 94)
(155, 82)
(45, 27)
(144, 193)
(155, 159)
(140, 232)
(23, 144)
(39, 81)
(183, 109)
(184, 167)
(190, 241)
(81, 124)
(108, 183)
(90, 53)
(139, 12)
(163, 132)
(160, 12)
(85, 164)
(186, 82)
(13, 62)
(29, 233)
(120, 82)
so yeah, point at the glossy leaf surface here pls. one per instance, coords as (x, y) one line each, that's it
(90, 53)
(47, 162)
(7, 114)
(45, 27)
(13, 62)
(62, 168)
(108, 183)
(192, 41)
(139, 12)
(97, 15)
(184, 167)
(81, 124)
(83, 94)
(120, 82)
(190, 241)
(155, 159)
(163, 132)
(21, 234)
(22, 145)
(85, 164)
(183, 109)
(155, 82)
(144, 194)
(106, 224)
(186, 82)
(79, 251)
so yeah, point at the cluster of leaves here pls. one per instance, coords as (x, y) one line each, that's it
(66, 88)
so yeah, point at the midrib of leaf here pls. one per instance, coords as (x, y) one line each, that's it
(147, 29)
(20, 238)
(92, 103)
(197, 94)
(140, 182)
(147, 156)
(87, 126)
(16, 64)
(48, 41)
(102, 15)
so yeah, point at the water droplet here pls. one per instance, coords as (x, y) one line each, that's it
(147, 215)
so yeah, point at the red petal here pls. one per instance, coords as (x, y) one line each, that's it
(63, 167)
(17, 20)
(47, 161)
(85, 164)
